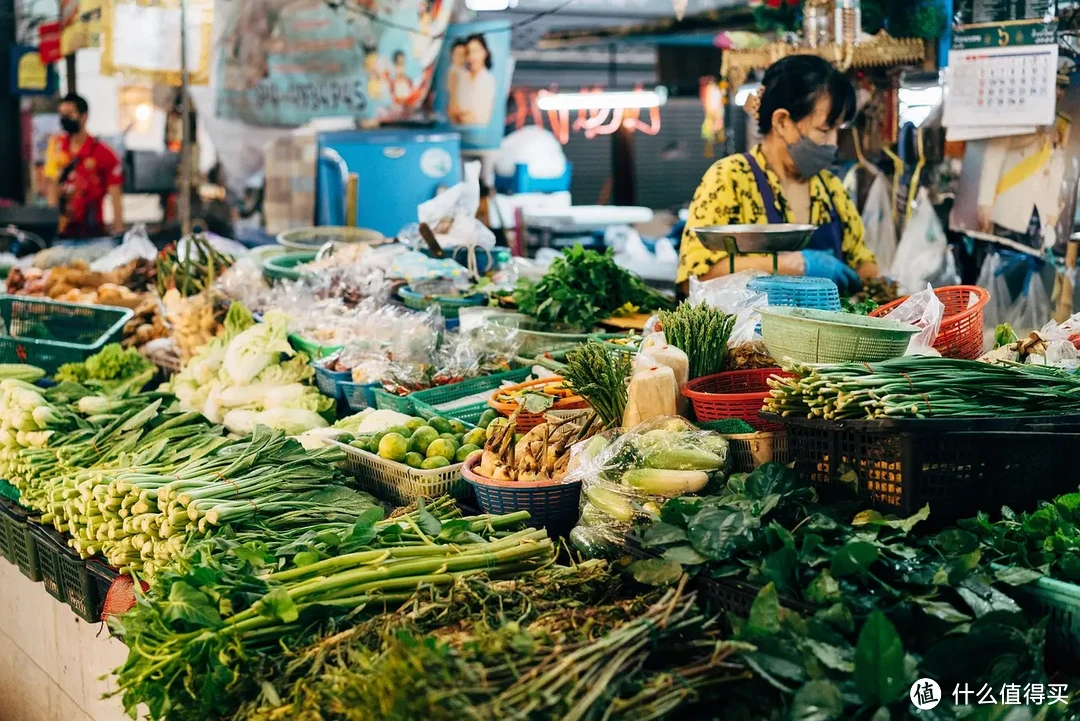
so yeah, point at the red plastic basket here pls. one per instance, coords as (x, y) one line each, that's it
(553, 506)
(733, 394)
(961, 332)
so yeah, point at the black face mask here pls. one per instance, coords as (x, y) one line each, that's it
(70, 125)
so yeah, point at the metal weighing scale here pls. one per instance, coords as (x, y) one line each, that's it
(323, 238)
(744, 239)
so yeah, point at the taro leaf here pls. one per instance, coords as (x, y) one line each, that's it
(656, 571)
(853, 559)
(823, 589)
(661, 534)
(277, 604)
(684, 555)
(305, 558)
(765, 611)
(879, 662)
(834, 657)
(364, 529)
(1016, 576)
(955, 542)
(713, 531)
(818, 701)
(984, 599)
(429, 524)
(458, 530)
(678, 511)
(771, 478)
(537, 402)
(942, 610)
(190, 606)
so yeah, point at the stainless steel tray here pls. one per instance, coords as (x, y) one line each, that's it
(740, 239)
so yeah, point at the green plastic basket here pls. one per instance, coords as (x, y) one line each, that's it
(449, 305)
(820, 336)
(313, 350)
(1060, 601)
(443, 401)
(48, 333)
(389, 402)
(9, 491)
(286, 266)
(536, 339)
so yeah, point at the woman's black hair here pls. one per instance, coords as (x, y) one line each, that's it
(797, 82)
(487, 51)
(399, 54)
(458, 44)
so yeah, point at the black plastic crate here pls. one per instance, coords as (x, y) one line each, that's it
(958, 466)
(21, 542)
(49, 551)
(737, 597)
(6, 550)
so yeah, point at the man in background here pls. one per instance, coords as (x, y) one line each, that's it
(81, 171)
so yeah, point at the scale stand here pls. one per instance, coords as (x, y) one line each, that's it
(772, 239)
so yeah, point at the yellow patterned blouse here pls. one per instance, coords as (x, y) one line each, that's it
(728, 195)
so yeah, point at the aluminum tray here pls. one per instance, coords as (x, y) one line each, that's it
(740, 239)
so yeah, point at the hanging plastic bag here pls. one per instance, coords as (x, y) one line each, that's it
(923, 253)
(924, 310)
(730, 294)
(136, 246)
(626, 477)
(452, 216)
(878, 221)
(1032, 308)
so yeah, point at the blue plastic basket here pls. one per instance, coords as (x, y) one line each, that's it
(798, 291)
(358, 396)
(328, 381)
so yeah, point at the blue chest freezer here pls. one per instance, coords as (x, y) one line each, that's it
(398, 170)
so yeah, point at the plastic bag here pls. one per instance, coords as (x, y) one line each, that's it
(991, 277)
(452, 214)
(923, 253)
(924, 310)
(877, 218)
(1060, 350)
(626, 477)
(730, 294)
(136, 246)
(1032, 307)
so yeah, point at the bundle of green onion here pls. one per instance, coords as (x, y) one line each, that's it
(920, 387)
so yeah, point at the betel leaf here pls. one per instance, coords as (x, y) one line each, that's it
(278, 604)
(956, 542)
(780, 566)
(656, 571)
(765, 611)
(713, 531)
(537, 402)
(1016, 576)
(771, 478)
(189, 608)
(818, 701)
(874, 518)
(879, 662)
(823, 589)
(678, 511)
(942, 610)
(984, 599)
(661, 534)
(684, 555)
(852, 559)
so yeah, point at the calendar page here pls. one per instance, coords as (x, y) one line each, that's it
(1002, 86)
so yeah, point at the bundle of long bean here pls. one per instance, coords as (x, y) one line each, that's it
(701, 332)
(192, 640)
(918, 387)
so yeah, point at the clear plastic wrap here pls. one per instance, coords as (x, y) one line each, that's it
(924, 310)
(136, 246)
(730, 294)
(627, 476)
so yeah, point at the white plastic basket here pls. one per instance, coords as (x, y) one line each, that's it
(398, 483)
(750, 450)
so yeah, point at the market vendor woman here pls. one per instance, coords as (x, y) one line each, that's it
(803, 102)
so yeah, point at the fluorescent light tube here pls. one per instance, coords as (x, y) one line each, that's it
(604, 100)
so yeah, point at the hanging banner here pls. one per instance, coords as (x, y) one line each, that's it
(285, 62)
(473, 81)
(141, 38)
(81, 21)
(29, 74)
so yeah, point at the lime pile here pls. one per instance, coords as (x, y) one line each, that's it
(427, 444)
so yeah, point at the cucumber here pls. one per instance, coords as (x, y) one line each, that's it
(684, 458)
(591, 544)
(611, 503)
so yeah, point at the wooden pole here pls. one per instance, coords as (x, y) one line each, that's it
(185, 116)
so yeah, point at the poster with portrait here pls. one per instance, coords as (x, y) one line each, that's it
(1022, 189)
(284, 62)
(473, 81)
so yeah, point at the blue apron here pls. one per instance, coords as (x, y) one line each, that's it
(828, 237)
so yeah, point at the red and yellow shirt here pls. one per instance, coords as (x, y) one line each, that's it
(83, 190)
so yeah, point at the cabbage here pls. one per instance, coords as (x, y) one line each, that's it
(257, 348)
(241, 422)
(293, 421)
(294, 370)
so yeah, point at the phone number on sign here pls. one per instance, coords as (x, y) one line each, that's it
(345, 94)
